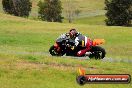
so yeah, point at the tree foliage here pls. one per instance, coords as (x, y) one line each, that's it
(50, 10)
(20, 8)
(119, 12)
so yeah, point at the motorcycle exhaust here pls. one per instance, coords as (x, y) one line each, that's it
(88, 53)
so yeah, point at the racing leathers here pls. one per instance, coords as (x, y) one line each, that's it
(79, 41)
(84, 42)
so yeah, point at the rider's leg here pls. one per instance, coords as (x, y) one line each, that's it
(82, 52)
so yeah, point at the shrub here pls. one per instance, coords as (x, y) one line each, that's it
(50, 10)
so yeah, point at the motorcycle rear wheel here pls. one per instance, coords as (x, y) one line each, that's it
(97, 52)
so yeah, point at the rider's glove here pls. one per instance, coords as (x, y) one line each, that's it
(72, 47)
(68, 45)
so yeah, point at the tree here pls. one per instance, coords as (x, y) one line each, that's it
(77, 12)
(71, 10)
(119, 12)
(50, 10)
(20, 8)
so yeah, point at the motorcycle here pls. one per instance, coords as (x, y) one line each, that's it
(63, 45)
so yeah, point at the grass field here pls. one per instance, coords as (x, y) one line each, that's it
(84, 7)
(90, 6)
(21, 67)
(19, 34)
(53, 72)
(98, 20)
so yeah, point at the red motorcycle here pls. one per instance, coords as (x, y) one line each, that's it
(62, 47)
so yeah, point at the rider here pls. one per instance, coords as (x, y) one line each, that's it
(80, 41)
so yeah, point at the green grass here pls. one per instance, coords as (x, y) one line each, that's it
(29, 70)
(53, 72)
(95, 20)
(20, 34)
(86, 5)
(1, 10)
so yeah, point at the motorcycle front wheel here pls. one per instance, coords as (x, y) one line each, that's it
(53, 52)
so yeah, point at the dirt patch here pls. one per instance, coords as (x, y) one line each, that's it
(29, 65)
(40, 66)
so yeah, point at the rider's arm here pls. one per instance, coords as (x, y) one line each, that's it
(75, 44)
(65, 35)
